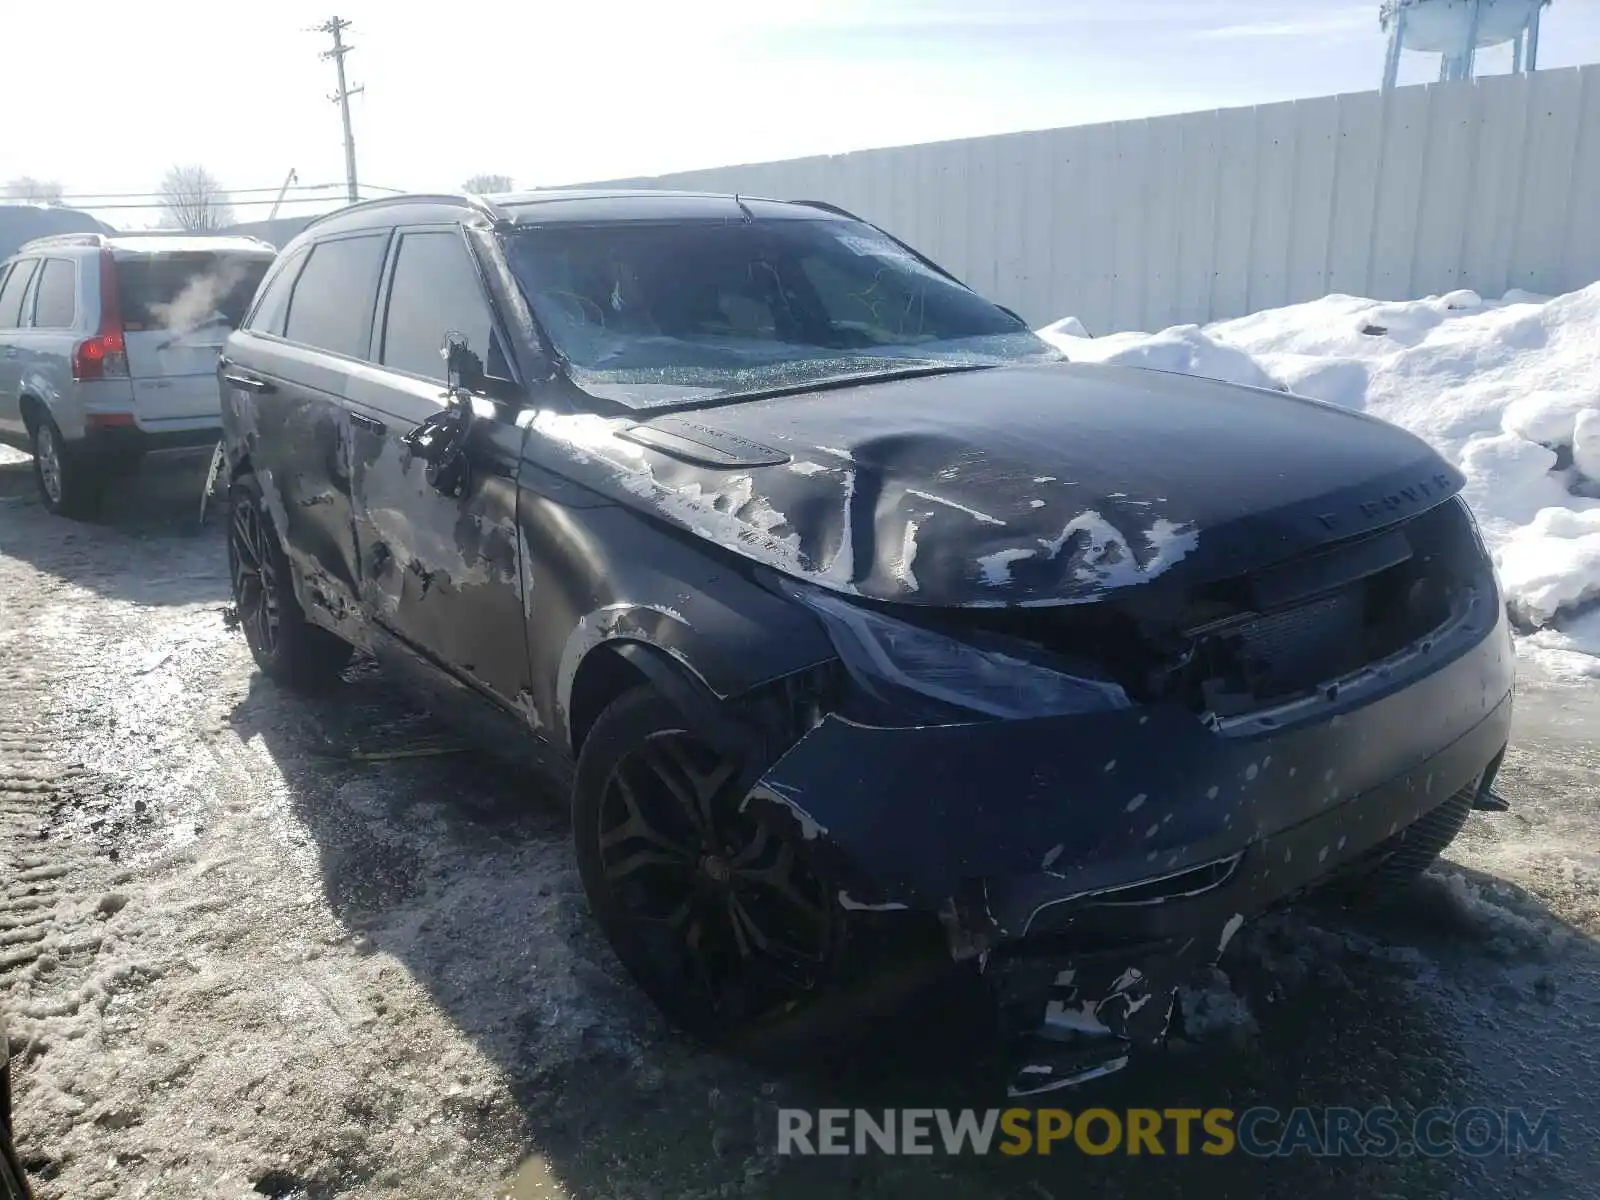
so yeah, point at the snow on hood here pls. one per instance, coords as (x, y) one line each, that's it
(1507, 390)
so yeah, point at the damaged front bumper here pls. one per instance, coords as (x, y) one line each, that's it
(1144, 943)
(1091, 864)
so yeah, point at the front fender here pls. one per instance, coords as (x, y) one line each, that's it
(606, 577)
(642, 634)
(695, 668)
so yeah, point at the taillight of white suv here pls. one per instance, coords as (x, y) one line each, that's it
(105, 355)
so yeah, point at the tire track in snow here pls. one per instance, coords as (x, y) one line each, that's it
(49, 880)
(227, 1022)
(58, 868)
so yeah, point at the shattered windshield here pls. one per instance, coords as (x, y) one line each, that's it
(657, 313)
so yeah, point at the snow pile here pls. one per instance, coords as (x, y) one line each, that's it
(1185, 348)
(1508, 390)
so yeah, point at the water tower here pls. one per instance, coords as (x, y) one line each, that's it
(1457, 29)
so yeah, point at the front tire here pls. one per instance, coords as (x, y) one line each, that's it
(722, 918)
(70, 483)
(1387, 872)
(286, 646)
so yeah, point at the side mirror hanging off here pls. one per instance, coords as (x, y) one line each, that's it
(441, 440)
(463, 369)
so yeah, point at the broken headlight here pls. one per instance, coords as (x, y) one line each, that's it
(927, 676)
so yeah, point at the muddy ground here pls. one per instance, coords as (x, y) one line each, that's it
(247, 954)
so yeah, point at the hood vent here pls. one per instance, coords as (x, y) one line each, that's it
(702, 445)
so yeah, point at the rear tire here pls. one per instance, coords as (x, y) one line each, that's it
(286, 646)
(70, 483)
(1386, 872)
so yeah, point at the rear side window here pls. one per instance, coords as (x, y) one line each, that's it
(272, 306)
(186, 291)
(331, 306)
(435, 291)
(56, 303)
(16, 286)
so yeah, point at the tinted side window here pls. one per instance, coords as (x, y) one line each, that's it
(435, 291)
(11, 295)
(331, 305)
(56, 305)
(273, 304)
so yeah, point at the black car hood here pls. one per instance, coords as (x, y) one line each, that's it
(1045, 484)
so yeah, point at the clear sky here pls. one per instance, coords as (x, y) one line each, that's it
(106, 95)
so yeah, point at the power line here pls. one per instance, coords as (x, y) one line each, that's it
(299, 187)
(155, 204)
(149, 200)
(336, 27)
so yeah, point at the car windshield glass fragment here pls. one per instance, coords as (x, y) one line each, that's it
(649, 313)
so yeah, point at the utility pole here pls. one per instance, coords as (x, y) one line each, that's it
(336, 27)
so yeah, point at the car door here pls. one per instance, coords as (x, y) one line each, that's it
(441, 573)
(291, 379)
(13, 289)
(46, 339)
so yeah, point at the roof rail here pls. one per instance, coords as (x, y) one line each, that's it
(102, 240)
(477, 203)
(62, 239)
(120, 234)
(832, 208)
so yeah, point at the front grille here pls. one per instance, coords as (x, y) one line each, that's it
(1337, 611)
(1293, 649)
(1260, 639)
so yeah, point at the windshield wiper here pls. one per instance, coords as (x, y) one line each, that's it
(209, 323)
(830, 383)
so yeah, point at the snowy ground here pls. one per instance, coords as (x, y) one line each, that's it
(1509, 390)
(244, 958)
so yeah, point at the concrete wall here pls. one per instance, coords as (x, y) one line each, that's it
(1489, 184)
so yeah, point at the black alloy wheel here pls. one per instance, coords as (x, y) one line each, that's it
(720, 915)
(256, 588)
(286, 646)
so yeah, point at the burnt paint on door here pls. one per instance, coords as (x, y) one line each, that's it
(301, 453)
(442, 573)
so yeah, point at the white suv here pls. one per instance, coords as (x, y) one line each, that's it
(108, 348)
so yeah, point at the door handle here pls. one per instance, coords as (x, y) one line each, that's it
(249, 383)
(370, 424)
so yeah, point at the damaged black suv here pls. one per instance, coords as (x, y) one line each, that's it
(879, 634)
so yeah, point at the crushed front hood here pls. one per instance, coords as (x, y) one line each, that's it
(1028, 485)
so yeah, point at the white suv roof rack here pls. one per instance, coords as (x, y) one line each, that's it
(103, 240)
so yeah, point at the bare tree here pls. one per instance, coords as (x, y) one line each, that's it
(34, 191)
(488, 185)
(193, 200)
